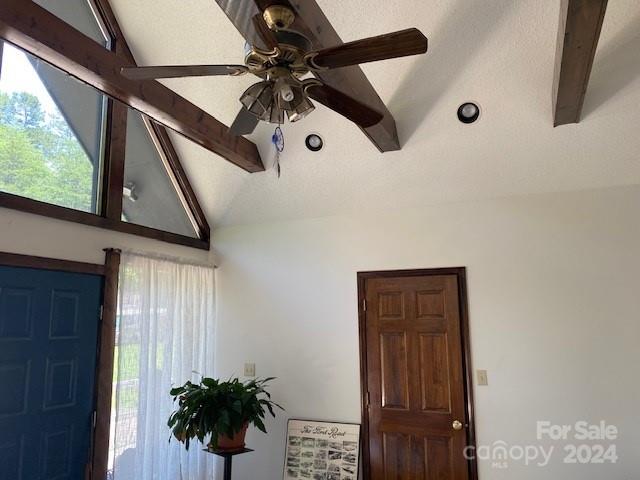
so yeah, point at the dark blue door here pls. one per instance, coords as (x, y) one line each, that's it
(48, 342)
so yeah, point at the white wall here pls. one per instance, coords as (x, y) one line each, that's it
(29, 234)
(554, 312)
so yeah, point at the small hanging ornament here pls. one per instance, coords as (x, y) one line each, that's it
(278, 142)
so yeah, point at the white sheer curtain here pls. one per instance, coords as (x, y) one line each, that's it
(165, 333)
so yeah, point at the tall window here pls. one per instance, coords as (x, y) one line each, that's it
(50, 133)
(165, 331)
(51, 126)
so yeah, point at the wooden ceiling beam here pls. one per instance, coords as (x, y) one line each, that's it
(578, 34)
(312, 22)
(35, 30)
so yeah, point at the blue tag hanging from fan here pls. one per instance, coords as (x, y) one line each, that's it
(278, 142)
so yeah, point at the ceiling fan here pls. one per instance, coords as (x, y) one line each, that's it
(285, 88)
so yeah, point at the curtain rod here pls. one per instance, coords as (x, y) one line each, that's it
(169, 258)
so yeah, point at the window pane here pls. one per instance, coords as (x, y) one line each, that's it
(78, 14)
(150, 197)
(50, 133)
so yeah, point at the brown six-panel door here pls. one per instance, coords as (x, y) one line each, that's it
(414, 373)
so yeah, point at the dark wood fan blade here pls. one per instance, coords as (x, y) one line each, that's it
(244, 124)
(383, 47)
(345, 105)
(178, 71)
(265, 33)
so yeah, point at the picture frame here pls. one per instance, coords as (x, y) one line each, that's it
(321, 450)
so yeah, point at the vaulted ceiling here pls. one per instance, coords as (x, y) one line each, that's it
(498, 53)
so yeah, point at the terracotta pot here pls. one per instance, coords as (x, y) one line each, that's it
(234, 443)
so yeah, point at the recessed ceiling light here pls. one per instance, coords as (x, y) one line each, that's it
(468, 112)
(314, 142)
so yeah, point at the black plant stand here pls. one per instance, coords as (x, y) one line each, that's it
(228, 456)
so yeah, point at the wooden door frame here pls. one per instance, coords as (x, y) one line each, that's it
(460, 273)
(43, 263)
(104, 367)
(106, 341)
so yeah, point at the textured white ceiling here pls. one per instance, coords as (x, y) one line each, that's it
(498, 53)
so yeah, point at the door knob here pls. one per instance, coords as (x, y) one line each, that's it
(457, 425)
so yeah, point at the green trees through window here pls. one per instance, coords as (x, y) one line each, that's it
(40, 157)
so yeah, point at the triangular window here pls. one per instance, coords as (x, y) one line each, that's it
(151, 195)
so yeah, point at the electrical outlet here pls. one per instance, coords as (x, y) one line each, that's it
(482, 377)
(249, 369)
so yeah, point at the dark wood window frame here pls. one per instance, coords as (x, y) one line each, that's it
(110, 212)
(106, 342)
(460, 273)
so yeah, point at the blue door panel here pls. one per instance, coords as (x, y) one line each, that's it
(48, 343)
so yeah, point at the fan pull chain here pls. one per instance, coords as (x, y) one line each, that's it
(278, 142)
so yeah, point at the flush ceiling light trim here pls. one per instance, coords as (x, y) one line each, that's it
(314, 142)
(468, 112)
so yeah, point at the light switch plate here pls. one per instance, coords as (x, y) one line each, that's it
(249, 369)
(483, 380)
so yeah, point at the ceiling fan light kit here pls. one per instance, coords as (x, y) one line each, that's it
(284, 92)
(269, 101)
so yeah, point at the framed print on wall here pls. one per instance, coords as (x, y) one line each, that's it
(322, 450)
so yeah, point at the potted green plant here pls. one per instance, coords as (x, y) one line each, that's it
(220, 410)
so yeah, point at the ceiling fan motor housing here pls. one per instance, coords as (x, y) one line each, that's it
(291, 51)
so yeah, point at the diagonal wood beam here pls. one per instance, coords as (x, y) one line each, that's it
(311, 21)
(35, 30)
(578, 34)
